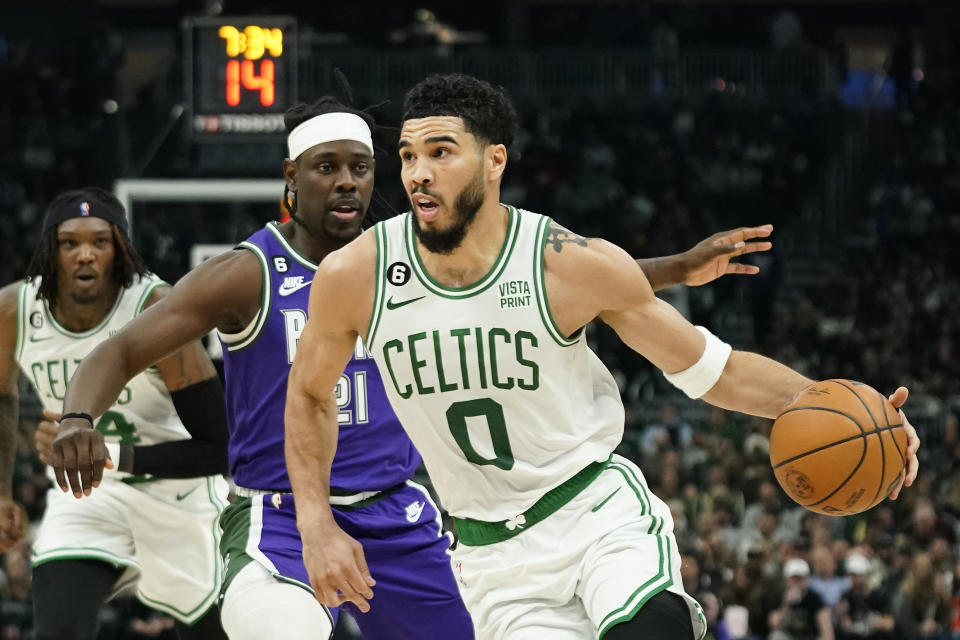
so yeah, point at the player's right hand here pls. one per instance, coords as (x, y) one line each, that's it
(12, 520)
(336, 566)
(912, 466)
(78, 455)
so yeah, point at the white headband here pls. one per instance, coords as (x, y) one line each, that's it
(328, 127)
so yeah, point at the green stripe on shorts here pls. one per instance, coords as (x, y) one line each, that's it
(664, 576)
(193, 615)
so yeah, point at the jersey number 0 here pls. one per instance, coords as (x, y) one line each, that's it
(492, 412)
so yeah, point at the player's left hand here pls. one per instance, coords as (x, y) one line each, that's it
(710, 259)
(897, 399)
(44, 435)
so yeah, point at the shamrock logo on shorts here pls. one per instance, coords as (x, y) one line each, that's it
(515, 522)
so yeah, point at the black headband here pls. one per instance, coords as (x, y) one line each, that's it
(80, 208)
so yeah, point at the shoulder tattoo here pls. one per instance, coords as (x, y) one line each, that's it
(558, 236)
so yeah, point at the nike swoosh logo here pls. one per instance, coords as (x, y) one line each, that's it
(605, 500)
(35, 339)
(391, 305)
(414, 514)
(181, 496)
(285, 291)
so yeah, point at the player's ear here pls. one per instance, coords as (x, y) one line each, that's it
(290, 173)
(495, 160)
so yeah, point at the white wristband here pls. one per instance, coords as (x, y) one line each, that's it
(699, 378)
(113, 448)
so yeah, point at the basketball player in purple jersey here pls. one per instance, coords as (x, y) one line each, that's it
(256, 296)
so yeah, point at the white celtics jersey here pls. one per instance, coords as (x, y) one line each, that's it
(49, 354)
(500, 404)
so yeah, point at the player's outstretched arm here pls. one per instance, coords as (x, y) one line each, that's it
(341, 299)
(709, 259)
(599, 279)
(215, 294)
(197, 396)
(12, 516)
(589, 278)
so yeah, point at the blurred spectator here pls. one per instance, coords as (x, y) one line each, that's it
(669, 433)
(802, 614)
(424, 29)
(786, 30)
(922, 607)
(749, 592)
(927, 525)
(825, 581)
(862, 613)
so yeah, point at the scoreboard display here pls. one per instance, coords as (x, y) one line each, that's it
(240, 75)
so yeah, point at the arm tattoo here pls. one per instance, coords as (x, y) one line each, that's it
(558, 236)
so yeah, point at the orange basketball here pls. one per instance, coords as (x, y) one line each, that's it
(838, 448)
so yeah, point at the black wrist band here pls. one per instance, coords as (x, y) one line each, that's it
(77, 414)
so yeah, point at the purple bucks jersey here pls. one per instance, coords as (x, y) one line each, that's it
(373, 452)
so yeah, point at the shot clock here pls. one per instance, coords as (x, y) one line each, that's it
(240, 75)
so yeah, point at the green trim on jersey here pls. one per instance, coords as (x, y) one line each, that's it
(21, 321)
(83, 553)
(265, 298)
(455, 293)
(296, 255)
(89, 332)
(146, 295)
(377, 311)
(664, 576)
(478, 533)
(540, 287)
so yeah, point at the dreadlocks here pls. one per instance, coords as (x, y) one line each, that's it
(127, 263)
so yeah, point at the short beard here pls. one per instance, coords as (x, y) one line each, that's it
(81, 299)
(329, 229)
(466, 205)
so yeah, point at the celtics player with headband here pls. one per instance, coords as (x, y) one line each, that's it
(257, 298)
(153, 520)
(515, 417)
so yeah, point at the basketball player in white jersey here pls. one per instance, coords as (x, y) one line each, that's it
(475, 313)
(153, 520)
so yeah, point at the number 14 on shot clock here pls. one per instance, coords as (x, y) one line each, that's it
(241, 74)
(253, 43)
